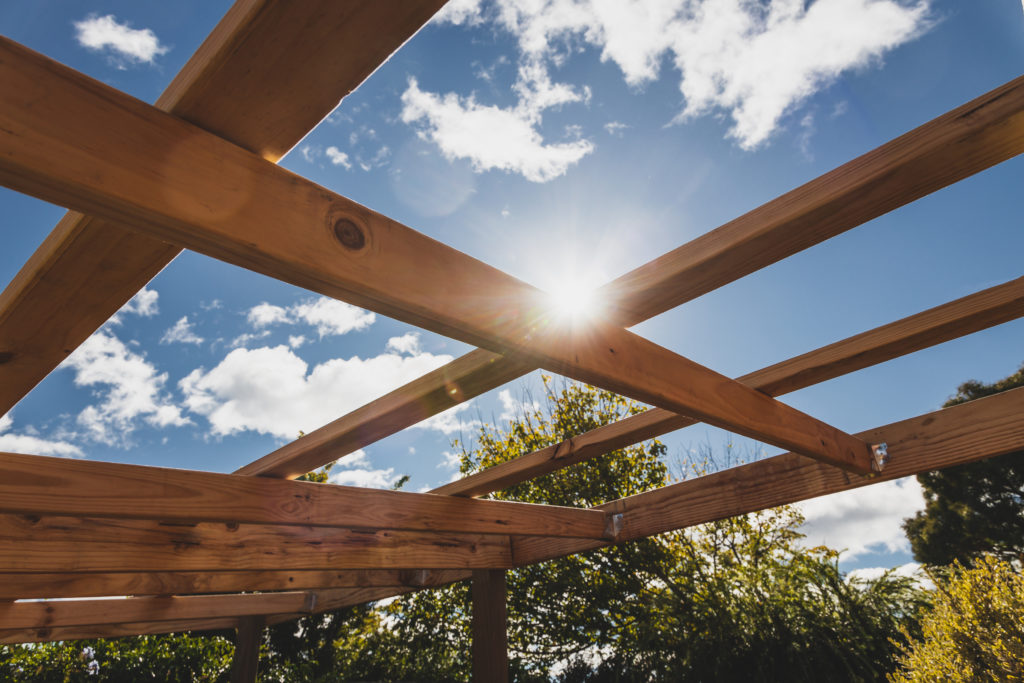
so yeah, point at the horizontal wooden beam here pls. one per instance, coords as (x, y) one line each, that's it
(89, 488)
(85, 585)
(953, 436)
(975, 136)
(266, 75)
(964, 316)
(81, 544)
(42, 635)
(40, 614)
(211, 196)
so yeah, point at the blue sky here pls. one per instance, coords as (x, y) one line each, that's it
(563, 142)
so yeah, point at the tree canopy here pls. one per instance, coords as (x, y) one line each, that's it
(975, 508)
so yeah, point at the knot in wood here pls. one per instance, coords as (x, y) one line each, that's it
(349, 234)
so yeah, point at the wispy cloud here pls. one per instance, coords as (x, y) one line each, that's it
(143, 304)
(181, 333)
(119, 40)
(328, 316)
(755, 61)
(130, 388)
(33, 444)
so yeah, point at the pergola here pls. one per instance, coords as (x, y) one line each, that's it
(198, 550)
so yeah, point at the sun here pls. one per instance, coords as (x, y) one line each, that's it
(573, 299)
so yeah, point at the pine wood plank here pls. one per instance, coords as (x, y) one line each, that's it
(266, 75)
(82, 544)
(84, 585)
(952, 320)
(212, 196)
(965, 433)
(60, 613)
(490, 646)
(120, 630)
(100, 489)
(966, 140)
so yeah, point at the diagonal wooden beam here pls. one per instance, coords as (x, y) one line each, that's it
(209, 195)
(266, 75)
(82, 544)
(953, 436)
(84, 488)
(959, 318)
(964, 141)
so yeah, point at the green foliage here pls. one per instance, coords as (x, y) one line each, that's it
(975, 632)
(975, 508)
(736, 599)
(174, 658)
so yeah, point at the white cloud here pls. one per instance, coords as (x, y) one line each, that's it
(863, 520)
(182, 333)
(271, 390)
(494, 138)
(615, 128)
(32, 444)
(755, 61)
(337, 157)
(142, 304)
(296, 340)
(246, 337)
(107, 34)
(513, 408)
(355, 470)
(449, 422)
(329, 316)
(910, 569)
(407, 343)
(130, 388)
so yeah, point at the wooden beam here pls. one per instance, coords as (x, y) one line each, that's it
(964, 316)
(15, 586)
(89, 488)
(266, 75)
(212, 196)
(966, 140)
(120, 630)
(80, 544)
(60, 613)
(953, 436)
(490, 646)
(246, 663)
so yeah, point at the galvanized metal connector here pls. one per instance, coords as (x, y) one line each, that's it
(879, 457)
(613, 527)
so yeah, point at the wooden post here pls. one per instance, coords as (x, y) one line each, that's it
(247, 650)
(490, 649)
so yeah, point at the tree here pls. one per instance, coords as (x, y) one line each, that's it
(975, 508)
(736, 599)
(975, 632)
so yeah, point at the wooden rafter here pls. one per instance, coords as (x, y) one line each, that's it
(954, 146)
(955, 319)
(209, 195)
(87, 544)
(266, 75)
(84, 488)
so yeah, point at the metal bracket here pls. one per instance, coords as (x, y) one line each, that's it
(879, 457)
(613, 527)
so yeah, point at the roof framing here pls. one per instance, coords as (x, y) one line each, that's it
(211, 551)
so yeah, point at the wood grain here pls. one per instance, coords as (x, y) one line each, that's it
(490, 638)
(191, 188)
(965, 433)
(975, 136)
(955, 319)
(83, 544)
(266, 75)
(99, 489)
(119, 630)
